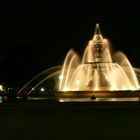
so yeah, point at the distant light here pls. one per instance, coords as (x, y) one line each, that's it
(42, 89)
(1, 88)
(61, 100)
(61, 77)
(33, 88)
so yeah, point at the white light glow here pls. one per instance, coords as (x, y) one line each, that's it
(42, 89)
(33, 88)
(61, 77)
(61, 100)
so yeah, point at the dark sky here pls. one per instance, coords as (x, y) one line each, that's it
(32, 41)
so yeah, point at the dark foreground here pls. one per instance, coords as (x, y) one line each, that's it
(68, 121)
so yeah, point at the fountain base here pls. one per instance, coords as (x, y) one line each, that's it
(97, 94)
(88, 96)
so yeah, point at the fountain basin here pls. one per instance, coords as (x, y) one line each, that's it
(86, 96)
(98, 94)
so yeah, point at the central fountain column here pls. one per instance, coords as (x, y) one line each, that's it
(98, 45)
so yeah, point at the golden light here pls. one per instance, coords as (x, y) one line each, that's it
(1, 88)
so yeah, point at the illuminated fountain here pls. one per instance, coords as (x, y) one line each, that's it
(97, 70)
(98, 73)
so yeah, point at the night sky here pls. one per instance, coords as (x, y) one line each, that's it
(34, 40)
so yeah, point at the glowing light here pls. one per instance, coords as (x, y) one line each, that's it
(61, 77)
(1, 88)
(42, 89)
(61, 100)
(33, 88)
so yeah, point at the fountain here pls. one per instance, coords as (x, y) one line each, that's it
(97, 70)
(98, 74)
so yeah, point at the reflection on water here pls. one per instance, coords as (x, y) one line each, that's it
(132, 99)
(1, 99)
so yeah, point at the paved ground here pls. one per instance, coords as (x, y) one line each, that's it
(80, 121)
